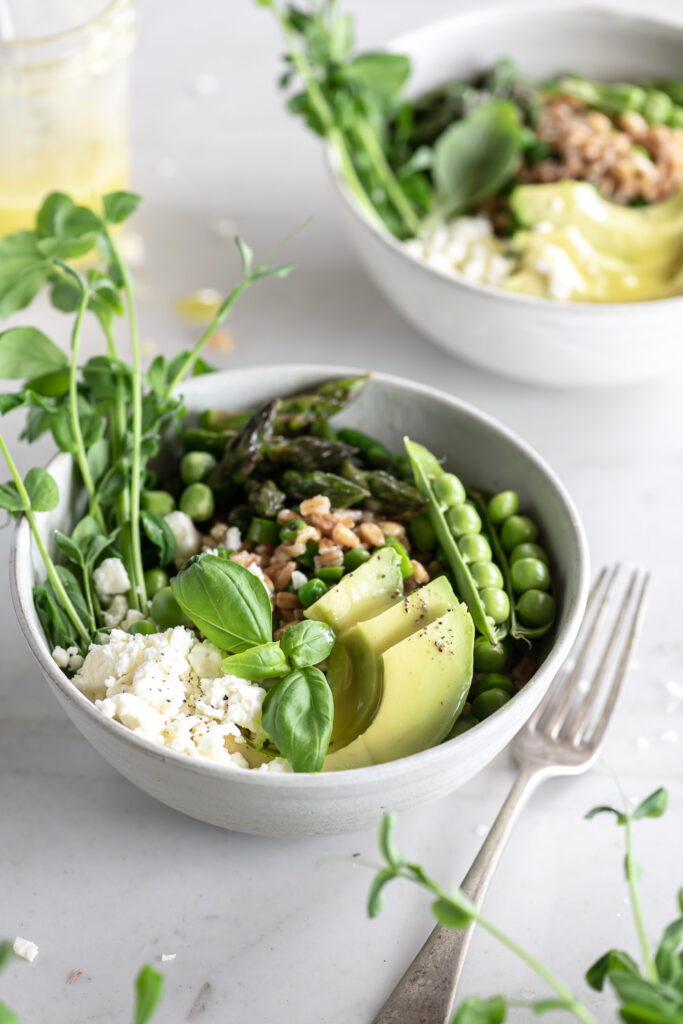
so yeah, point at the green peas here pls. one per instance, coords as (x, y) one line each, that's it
(329, 573)
(160, 502)
(527, 551)
(489, 701)
(143, 626)
(196, 466)
(354, 558)
(536, 608)
(486, 574)
(463, 519)
(448, 490)
(491, 681)
(197, 502)
(406, 567)
(488, 658)
(474, 547)
(155, 580)
(502, 506)
(496, 604)
(530, 574)
(289, 531)
(165, 610)
(517, 530)
(462, 725)
(263, 531)
(311, 591)
(422, 532)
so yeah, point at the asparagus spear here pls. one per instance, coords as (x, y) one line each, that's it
(341, 491)
(266, 498)
(245, 450)
(300, 411)
(308, 453)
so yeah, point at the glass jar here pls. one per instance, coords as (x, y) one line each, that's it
(64, 91)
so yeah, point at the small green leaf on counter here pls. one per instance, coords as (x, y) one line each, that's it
(149, 986)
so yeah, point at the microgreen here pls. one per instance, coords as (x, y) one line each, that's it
(651, 995)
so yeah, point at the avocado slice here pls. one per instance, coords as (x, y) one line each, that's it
(353, 669)
(628, 233)
(425, 682)
(369, 590)
(587, 274)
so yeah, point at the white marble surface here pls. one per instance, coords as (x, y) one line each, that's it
(101, 876)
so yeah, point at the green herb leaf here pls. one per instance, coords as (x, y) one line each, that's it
(614, 959)
(27, 352)
(246, 255)
(7, 1016)
(376, 893)
(9, 497)
(477, 156)
(653, 806)
(668, 959)
(387, 845)
(482, 1011)
(67, 547)
(297, 715)
(450, 914)
(160, 534)
(149, 986)
(118, 206)
(229, 604)
(6, 954)
(307, 643)
(42, 490)
(606, 809)
(384, 72)
(264, 662)
(97, 458)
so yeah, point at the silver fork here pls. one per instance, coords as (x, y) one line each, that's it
(562, 737)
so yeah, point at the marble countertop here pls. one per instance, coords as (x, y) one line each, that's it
(101, 876)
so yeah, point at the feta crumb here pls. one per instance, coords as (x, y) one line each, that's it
(132, 615)
(298, 579)
(188, 540)
(110, 577)
(116, 612)
(233, 539)
(75, 659)
(60, 657)
(26, 949)
(167, 957)
(562, 277)
(466, 246)
(278, 764)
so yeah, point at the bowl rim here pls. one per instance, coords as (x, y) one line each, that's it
(404, 43)
(349, 779)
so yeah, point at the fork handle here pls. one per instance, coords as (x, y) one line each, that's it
(425, 993)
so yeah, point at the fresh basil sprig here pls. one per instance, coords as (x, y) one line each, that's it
(298, 714)
(264, 662)
(302, 644)
(225, 601)
(651, 993)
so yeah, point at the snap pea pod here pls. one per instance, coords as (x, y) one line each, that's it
(517, 629)
(426, 467)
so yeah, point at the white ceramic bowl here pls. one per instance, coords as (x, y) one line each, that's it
(538, 340)
(485, 454)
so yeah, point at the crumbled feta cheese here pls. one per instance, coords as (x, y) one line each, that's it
(75, 659)
(170, 689)
(167, 957)
(465, 246)
(278, 764)
(188, 539)
(60, 657)
(132, 615)
(233, 539)
(257, 571)
(26, 949)
(116, 612)
(298, 579)
(110, 577)
(562, 277)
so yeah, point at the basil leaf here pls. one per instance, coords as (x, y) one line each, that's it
(476, 157)
(42, 490)
(118, 206)
(27, 352)
(160, 534)
(307, 643)
(229, 604)
(297, 715)
(9, 497)
(264, 662)
(384, 72)
(7, 1016)
(149, 986)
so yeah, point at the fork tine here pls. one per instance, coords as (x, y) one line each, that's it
(578, 731)
(576, 728)
(542, 708)
(558, 715)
